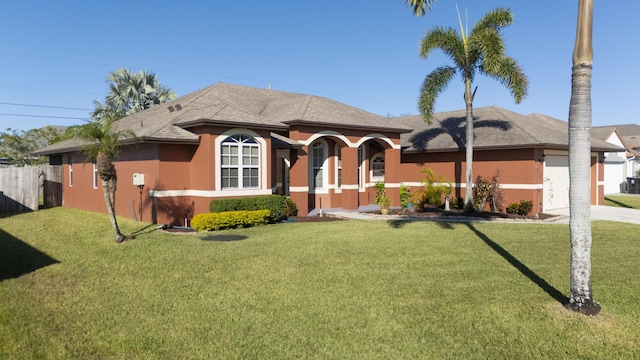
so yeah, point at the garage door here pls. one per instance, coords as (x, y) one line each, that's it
(556, 182)
(613, 177)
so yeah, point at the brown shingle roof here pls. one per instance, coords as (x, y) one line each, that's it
(494, 128)
(240, 106)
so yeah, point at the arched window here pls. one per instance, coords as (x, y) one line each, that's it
(318, 158)
(377, 167)
(240, 162)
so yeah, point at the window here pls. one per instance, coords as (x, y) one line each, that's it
(377, 167)
(70, 162)
(318, 154)
(339, 166)
(361, 172)
(240, 159)
(95, 175)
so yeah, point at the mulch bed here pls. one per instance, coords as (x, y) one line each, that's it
(428, 213)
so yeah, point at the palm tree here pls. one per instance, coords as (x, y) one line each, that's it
(581, 297)
(103, 147)
(483, 51)
(131, 92)
(419, 7)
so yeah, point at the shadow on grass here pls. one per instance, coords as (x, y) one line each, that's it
(620, 204)
(18, 258)
(223, 237)
(145, 230)
(542, 283)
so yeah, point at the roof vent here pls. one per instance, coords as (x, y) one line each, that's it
(171, 109)
(178, 107)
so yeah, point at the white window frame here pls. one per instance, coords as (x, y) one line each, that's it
(375, 178)
(362, 168)
(245, 158)
(95, 175)
(70, 162)
(338, 166)
(318, 164)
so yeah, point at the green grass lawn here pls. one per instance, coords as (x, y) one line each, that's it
(338, 290)
(626, 201)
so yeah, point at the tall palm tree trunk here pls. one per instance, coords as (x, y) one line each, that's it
(468, 195)
(581, 297)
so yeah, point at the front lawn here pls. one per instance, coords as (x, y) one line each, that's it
(345, 289)
(626, 201)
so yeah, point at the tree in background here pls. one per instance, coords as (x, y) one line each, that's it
(419, 7)
(131, 92)
(480, 51)
(581, 296)
(103, 144)
(16, 146)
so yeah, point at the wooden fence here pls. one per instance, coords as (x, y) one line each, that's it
(28, 188)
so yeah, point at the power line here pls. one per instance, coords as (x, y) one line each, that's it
(45, 116)
(45, 106)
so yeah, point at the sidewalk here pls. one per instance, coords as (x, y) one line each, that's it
(608, 213)
(599, 212)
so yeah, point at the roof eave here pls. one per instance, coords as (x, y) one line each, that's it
(348, 126)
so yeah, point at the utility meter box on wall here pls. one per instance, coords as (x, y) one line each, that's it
(138, 179)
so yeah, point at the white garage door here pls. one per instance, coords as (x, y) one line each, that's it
(613, 177)
(556, 182)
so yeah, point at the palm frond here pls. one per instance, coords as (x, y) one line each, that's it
(446, 39)
(419, 7)
(494, 19)
(435, 83)
(511, 75)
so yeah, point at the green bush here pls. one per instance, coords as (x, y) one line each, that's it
(433, 190)
(280, 207)
(523, 208)
(229, 220)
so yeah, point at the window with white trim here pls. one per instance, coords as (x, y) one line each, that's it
(361, 172)
(338, 166)
(95, 175)
(318, 158)
(70, 162)
(377, 167)
(240, 162)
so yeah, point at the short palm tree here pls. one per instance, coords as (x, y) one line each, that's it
(102, 147)
(132, 92)
(481, 51)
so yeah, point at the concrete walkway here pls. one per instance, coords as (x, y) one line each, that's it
(599, 212)
(608, 213)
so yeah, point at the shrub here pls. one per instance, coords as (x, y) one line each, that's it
(433, 191)
(523, 208)
(405, 196)
(382, 198)
(229, 220)
(488, 191)
(280, 207)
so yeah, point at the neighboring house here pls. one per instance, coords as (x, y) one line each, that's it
(629, 136)
(615, 163)
(232, 141)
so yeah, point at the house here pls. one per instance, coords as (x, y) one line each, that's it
(530, 154)
(232, 141)
(626, 162)
(615, 162)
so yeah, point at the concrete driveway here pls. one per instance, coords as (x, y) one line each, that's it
(599, 212)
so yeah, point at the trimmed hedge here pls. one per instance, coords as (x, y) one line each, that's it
(229, 219)
(280, 207)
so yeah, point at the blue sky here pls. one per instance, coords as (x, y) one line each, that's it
(359, 52)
